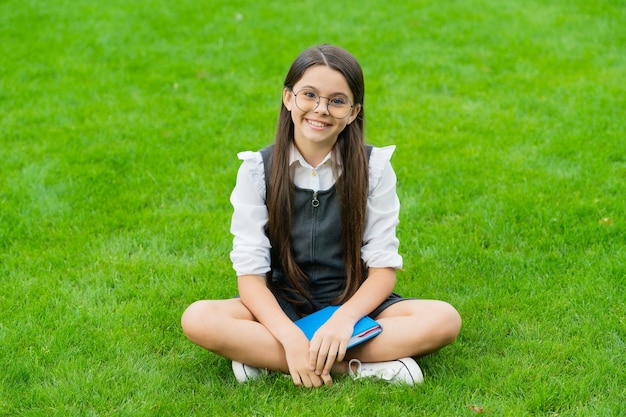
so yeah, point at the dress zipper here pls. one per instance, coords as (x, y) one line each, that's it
(315, 202)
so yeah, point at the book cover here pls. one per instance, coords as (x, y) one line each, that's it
(364, 329)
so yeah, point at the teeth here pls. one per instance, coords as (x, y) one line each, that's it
(317, 124)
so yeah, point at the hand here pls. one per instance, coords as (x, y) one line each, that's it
(296, 352)
(329, 345)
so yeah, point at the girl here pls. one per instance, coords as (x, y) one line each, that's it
(314, 224)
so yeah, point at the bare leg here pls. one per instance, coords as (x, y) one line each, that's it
(227, 328)
(411, 328)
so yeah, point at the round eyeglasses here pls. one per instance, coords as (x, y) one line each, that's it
(338, 106)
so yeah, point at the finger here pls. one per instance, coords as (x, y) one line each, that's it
(317, 348)
(322, 356)
(341, 352)
(314, 348)
(327, 379)
(311, 380)
(330, 359)
(318, 381)
(297, 380)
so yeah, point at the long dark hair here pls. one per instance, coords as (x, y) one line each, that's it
(351, 186)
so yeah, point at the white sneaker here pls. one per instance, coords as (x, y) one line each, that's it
(244, 373)
(400, 371)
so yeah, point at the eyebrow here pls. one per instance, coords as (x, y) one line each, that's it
(310, 87)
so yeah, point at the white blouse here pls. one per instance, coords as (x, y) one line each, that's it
(251, 246)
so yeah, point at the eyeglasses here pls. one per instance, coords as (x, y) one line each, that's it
(338, 106)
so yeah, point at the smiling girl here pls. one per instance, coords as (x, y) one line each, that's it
(314, 225)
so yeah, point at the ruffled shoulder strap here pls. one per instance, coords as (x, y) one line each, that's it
(379, 159)
(253, 163)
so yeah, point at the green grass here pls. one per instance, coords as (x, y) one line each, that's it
(119, 128)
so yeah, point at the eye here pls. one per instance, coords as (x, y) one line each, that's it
(309, 94)
(340, 101)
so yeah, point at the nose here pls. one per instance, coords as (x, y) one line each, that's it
(322, 108)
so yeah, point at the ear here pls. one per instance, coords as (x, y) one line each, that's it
(287, 98)
(355, 112)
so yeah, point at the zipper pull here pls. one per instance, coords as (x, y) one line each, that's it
(315, 202)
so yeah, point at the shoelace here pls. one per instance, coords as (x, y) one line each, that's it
(385, 373)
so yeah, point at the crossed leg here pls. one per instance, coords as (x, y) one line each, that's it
(228, 328)
(410, 328)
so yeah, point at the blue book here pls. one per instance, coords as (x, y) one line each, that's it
(364, 329)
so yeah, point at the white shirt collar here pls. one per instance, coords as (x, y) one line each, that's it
(296, 156)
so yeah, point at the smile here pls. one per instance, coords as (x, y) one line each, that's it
(316, 123)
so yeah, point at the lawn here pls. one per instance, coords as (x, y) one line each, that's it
(119, 127)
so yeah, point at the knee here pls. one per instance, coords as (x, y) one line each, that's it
(196, 320)
(450, 322)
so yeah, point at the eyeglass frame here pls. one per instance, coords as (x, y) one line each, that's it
(319, 99)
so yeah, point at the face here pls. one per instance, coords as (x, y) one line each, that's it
(317, 127)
